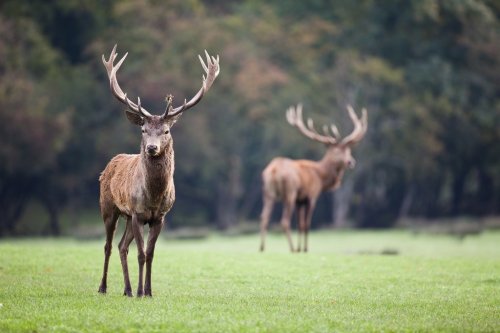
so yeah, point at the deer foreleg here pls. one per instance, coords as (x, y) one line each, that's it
(154, 232)
(138, 231)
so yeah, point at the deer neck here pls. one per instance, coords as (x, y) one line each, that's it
(330, 172)
(158, 170)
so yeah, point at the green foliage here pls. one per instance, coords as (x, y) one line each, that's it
(424, 283)
(427, 71)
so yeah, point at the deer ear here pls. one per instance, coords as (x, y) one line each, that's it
(134, 118)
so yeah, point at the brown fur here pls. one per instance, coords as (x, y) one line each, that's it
(126, 174)
(141, 187)
(298, 183)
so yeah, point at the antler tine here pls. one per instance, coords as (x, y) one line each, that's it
(294, 117)
(298, 115)
(310, 125)
(203, 63)
(327, 136)
(326, 131)
(212, 70)
(290, 116)
(115, 87)
(108, 64)
(335, 131)
(364, 119)
(183, 107)
(168, 108)
(360, 126)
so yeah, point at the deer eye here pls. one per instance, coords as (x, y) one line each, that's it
(143, 130)
(167, 131)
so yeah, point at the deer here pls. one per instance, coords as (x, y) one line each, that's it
(140, 187)
(298, 183)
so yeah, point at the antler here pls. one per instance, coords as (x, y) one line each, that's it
(360, 127)
(294, 117)
(115, 87)
(212, 71)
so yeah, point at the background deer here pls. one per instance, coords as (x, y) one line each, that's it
(141, 187)
(298, 183)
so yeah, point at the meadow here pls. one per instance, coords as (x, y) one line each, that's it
(387, 281)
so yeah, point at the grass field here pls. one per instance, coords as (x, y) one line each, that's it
(222, 284)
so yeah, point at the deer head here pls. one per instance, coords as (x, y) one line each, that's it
(156, 129)
(338, 150)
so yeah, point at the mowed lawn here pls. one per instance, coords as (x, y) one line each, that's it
(222, 284)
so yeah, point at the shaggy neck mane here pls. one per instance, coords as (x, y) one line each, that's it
(331, 173)
(158, 171)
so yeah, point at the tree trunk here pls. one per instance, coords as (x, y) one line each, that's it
(13, 201)
(341, 200)
(485, 193)
(252, 195)
(54, 225)
(407, 202)
(457, 192)
(228, 195)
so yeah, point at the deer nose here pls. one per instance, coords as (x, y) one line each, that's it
(351, 163)
(152, 149)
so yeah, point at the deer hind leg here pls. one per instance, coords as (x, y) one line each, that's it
(123, 246)
(110, 222)
(267, 209)
(288, 207)
(301, 212)
(138, 231)
(309, 212)
(154, 232)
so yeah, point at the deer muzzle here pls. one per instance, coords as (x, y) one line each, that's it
(351, 163)
(152, 149)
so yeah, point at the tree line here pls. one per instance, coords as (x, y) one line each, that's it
(427, 71)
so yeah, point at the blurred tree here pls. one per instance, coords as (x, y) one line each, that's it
(428, 72)
(69, 25)
(32, 135)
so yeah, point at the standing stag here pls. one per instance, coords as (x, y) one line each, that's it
(298, 183)
(140, 187)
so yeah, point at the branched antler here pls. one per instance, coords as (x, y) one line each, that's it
(294, 117)
(360, 127)
(212, 71)
(115, 87)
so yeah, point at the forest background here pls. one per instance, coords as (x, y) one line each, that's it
(428, 71)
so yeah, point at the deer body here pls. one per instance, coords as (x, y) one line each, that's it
(137, 183)
(141, 187)
(307, 179)
(298, 183)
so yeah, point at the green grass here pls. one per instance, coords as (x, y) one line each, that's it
(222, 284)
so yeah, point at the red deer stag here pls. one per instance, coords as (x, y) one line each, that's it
(140, 187)
(298, 183)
